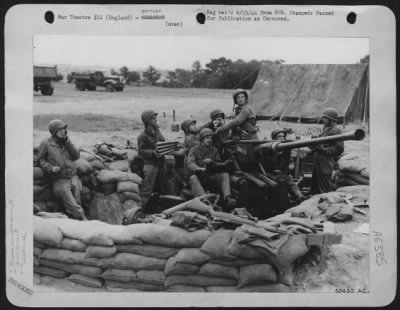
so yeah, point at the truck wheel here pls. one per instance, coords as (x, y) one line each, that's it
(47, 91)
(109, 88)
(80, 86)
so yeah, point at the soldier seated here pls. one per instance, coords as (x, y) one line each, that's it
(201, 155)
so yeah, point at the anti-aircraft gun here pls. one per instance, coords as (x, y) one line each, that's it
(260, 192)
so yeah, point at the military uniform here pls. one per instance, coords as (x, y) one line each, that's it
(54, 152)
(325, 158)
(154, 169)
(245, 119)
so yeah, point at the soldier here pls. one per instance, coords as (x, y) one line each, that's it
(278, 169)
(326, 155)
(154, 169)
(191, 132)
(56, 156)
(201, 155)
(217, 119)
(245, 118)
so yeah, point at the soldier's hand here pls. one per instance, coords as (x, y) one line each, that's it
(157, 154)
(55, 169)
(201, 170)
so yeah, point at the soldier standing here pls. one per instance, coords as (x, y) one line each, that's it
(191, 132)
(326, 155)
(201, 155)
(56, 156)
(245, 118)
(154, 169)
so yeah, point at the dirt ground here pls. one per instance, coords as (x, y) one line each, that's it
(115, 117)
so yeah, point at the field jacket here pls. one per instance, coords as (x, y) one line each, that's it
(147, 144)
(245, 120)
(53, 154)
(197, 154)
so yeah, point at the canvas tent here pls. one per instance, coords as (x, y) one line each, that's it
(299, 93)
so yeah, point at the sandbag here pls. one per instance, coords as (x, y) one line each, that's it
(82, 167)
(38, 174)
(90, 271)
(36, 278)
(353, 163)
(39, 245)
(198, 280)
(148, 250)
(41, 182)
(97, 239)
(192, 256)
(87, 156)
(345, 182)
(35, 261)
(168, 236)
(339, 213)
(97, 164)
(37, 251)
(365, 173)
(118, 234)
(114, 176)
(39, 206)
(67, 256)
(87, 281)
(217, 245)
(75, 229)
(155, 277)
(257, 273)
(215, 270)
(294, 248)
(43, 192)
(357, 178)
(124, 196)
(134, 285)
(73, 245)
(106, 208)
(133, 262)
(121, 275)
(129, 204)
(174, 268)
(107, 188)
(50, 272)
(120, 165)
(127, 186)
(360, 193)
(86, 196)
(100, 251)
(46, 232)
(242, 250)
(238, 262)
(185, 288)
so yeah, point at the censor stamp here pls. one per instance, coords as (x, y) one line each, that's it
(198, 154)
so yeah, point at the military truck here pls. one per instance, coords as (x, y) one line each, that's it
(43, 78)
(92, 80)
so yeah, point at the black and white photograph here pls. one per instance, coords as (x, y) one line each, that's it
(182, 165)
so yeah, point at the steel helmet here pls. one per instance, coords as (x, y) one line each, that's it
(205, 133)
(186, 123)
(147, 115)
(237, 92)
(276, 131)
(55, 125)
(331, 113)
(215, 113)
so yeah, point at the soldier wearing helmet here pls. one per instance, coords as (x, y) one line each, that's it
(244, 122)
(56, 157)
(154, 168)
(191, 132)
(326, 155)
(276, 166)
(201, 155)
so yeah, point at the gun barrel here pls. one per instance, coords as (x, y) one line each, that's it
(252, 142)
(277, 146)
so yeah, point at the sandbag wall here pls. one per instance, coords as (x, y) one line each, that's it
(155, 257)
(353, 170)
(108, 189)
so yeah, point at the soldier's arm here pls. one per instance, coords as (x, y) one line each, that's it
(72, 149)
(144, 150)
(239, 119)
(191, 161)
(42, 158)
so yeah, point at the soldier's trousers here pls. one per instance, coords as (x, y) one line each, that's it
(214, 183)
(69, 190)
(154, 178)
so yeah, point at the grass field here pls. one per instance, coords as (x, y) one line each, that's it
(115, 117)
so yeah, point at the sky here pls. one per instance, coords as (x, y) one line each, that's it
(173, 52)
